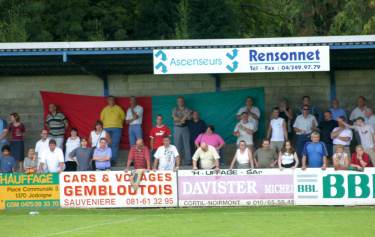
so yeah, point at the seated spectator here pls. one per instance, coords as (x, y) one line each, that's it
(97, 134)
(367, 136)
(30, 163)
(158, 133)
(340, 158)
(370, 117)
(359, 111)
(265, 156)
(8, 163)
(245, 129)
(287, 157)
(207, 156)
(166, 156)
(139, 155)
(342, 135)
(196, 126)
(336, 111)
(325, 128)
(52, 160)
(287, 114)
(360, 159)
(42, 145)
(82, 156)
(315, 153)
(243, 157)
(304, 125)
(71, 144)
(211, 138)
(102, 156)
(313, 110)
(277, 130)
(250, 109)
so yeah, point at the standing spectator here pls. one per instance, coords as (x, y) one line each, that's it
(82, 155)
(102, 156)
(277, 130)
(97, 134)
(196, 126)
(245, 129)
(360, 159)
(342, 135)
(250, 109)
(166, 156)
(3, 133)
(314, 153)
(158, 133)
(210, 138)
(243, 157)
(181, 135)
(325, 128)
(340, 159)
(207, 156)
(304, 125)
(287, 114)
(287, 157)
(366, 135)
(42, 145)
(359, 111)
(17, 130)
(113, 117)
(71, 144)
(30, 163)
(134, 117)
(336, 111)
(139, 155)
(8, 163)
(52, 159)
(313, 110)
(57, 124)
(265, 156)
(370, 117)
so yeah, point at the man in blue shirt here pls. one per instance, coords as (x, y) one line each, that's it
(315, 153)
(336, 111)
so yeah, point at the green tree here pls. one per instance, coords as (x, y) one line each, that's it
(182, 26)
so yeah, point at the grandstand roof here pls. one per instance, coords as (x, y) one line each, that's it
(132, 57)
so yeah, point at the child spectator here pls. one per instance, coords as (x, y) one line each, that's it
(340, 158)
(30, 163)
(8, 163)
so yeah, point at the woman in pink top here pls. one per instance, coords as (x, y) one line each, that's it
(210, 138)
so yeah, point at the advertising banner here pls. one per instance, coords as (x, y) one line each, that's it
(239, 187)
(330, 187)
(114, 189)
(29, 191)
(241, 60)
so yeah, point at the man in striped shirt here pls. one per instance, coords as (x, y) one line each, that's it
(57, 124)
(139, 154)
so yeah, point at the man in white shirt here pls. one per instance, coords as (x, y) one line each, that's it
(42, 145)
(359, 111)
(304, 125)
(342, 136)
(166, 156)
(370, 117)
(277, 131)
(367, 136)
(207, 156)
(134, 116)
(52, 160)
(245, 129)
(251, 110)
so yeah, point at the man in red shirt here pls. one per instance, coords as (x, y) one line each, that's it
(157, 134)
(360, 159)
(139, 155)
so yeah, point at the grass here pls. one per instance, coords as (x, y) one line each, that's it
(254, 221)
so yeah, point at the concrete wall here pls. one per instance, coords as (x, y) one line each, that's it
(21, 94)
